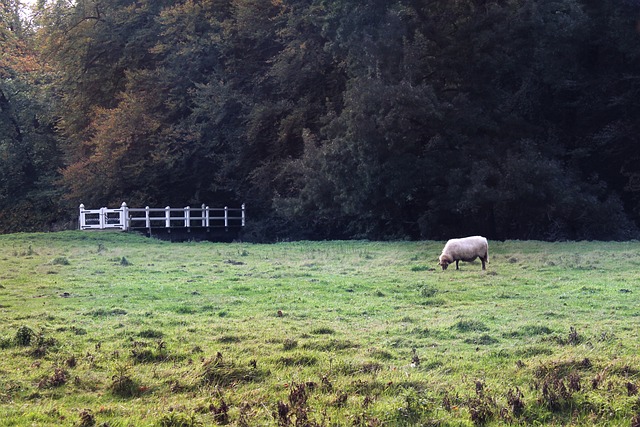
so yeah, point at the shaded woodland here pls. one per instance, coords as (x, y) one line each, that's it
(386, 119)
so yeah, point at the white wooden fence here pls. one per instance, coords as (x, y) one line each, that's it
(126, 218)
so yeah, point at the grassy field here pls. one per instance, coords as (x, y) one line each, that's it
(110, 329)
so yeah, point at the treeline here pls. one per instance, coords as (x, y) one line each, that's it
(385, 119)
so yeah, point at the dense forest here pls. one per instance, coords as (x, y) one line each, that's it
(385, 119)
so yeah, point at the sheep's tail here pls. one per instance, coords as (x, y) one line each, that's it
(487, 254)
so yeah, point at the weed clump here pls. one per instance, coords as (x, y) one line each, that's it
(415, 410)
(177, 419)
(482, 406)
(220, 412)
(122, 384)
(5, 343)
(23, 336)
(42, 345)
(574, 338)
(71, 361)
(86, 419)
(142, 354)
(516, 402)
(428, 291)
(480, 410)
(78, 331)
(559, 382)
(56, 379)
(296, 411)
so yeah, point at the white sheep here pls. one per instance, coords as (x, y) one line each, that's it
(465, 249)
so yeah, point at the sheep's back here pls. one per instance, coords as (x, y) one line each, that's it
(466, 248)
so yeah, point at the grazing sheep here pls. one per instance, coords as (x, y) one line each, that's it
(465, 249)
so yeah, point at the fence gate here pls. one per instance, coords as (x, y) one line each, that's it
(103, 218)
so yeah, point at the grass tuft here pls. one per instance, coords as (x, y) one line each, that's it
(150, 333)
(223, 373)
(101, 312)
(60, 261)
(470, 326)
(323, 331)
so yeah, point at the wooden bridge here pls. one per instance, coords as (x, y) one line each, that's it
(163, 220)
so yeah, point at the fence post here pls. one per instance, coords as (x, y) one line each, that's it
(103, 217)
(124, 217)
(243, 214)
(81, 220)
(207, 217)
(167, 217)
(226, 217)
(187, 216)
(147, 217)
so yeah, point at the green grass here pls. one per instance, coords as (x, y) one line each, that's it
(113, 329)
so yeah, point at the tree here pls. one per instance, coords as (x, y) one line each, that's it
(109, 110)
(390, 119)
(604, 103)
(29, 156)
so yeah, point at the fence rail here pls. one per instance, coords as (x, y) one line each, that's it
(126, 218)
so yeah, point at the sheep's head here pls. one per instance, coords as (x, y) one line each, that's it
(444, 261)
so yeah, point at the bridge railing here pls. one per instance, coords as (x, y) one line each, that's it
(126, 218)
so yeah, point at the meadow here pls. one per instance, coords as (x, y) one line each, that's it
(112, 329)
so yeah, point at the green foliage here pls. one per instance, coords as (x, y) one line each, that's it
(389, 120)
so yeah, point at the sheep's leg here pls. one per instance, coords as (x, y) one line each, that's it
(483, 261)
(457, 264)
